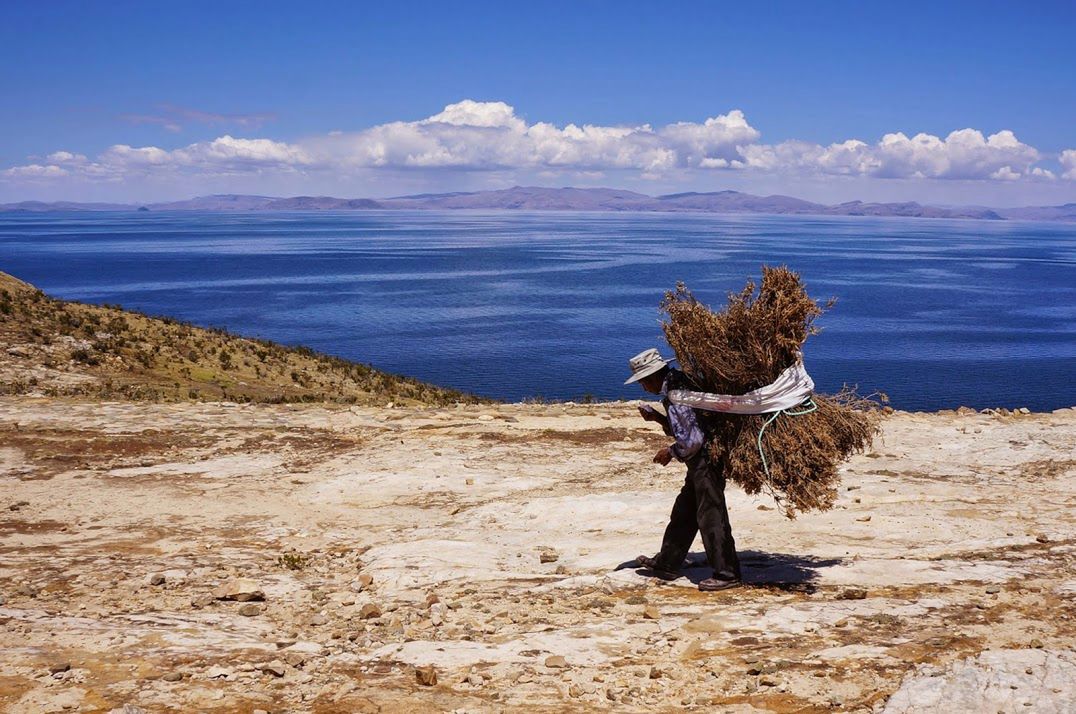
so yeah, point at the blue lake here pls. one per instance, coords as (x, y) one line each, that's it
(514, 305)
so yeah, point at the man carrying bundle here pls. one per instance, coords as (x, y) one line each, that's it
(769, 432)
(700, 505)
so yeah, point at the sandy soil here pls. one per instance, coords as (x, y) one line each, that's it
(479, 546)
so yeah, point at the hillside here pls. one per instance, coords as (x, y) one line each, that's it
(62, 348)
(538, 198)
(531, 198)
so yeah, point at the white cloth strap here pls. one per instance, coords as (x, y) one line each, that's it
(790, 389)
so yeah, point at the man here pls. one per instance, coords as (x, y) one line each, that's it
(700, 505)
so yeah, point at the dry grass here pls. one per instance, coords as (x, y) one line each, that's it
(746, 345)
(129, 355)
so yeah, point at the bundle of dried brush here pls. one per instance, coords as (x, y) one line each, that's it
(794, 454)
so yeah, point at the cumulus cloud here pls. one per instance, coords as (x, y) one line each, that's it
(964, 154)
(34, 171)
(1068, 164)
(483, 114)
(223, 156)
(490, 136)
(236, 154)
(713, 144)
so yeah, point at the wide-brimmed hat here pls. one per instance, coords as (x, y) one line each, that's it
(645, 364)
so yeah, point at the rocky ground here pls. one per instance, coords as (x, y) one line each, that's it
(290, 558)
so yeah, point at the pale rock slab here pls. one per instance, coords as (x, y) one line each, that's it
(1041, 681)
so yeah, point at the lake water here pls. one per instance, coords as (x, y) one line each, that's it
(514, 305)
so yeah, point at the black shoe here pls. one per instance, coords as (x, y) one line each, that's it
(652, 564)
(711, 585)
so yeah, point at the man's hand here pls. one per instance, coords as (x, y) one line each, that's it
(648, 412)
(663, 457)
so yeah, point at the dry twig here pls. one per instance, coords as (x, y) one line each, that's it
(745, 346)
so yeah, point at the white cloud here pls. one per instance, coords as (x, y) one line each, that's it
(238, 153)
(490, 136)
(62, 156)
(468, 135)
(122, 156)
(714, 141)
(1068, 164)
(793, 156)
(33, 171)
(222, 156)
(964, 154)
(482, 114)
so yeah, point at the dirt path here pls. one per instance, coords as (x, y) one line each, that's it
(119, 522)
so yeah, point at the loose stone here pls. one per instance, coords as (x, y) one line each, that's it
(239, 589)
(275, 668)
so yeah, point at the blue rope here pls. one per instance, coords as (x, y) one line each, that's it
(761, 452)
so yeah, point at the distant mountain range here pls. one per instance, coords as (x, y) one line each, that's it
(570, 199)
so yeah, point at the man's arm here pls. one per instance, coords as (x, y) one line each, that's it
(649, 413)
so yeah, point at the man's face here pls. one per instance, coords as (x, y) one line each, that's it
(652, 383)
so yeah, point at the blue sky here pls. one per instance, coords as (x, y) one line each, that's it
(350, 98)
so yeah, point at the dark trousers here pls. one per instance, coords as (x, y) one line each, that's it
(700, 508)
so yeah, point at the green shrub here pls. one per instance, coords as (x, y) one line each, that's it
(292, 560)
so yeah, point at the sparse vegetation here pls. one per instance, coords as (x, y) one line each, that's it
(292, 560)
(84, 356)
(134, 356)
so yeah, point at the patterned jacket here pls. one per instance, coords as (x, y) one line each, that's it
(684, 424)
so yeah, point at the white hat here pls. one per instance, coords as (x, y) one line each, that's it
(645, 364)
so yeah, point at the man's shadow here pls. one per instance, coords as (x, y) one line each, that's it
(782, 571)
